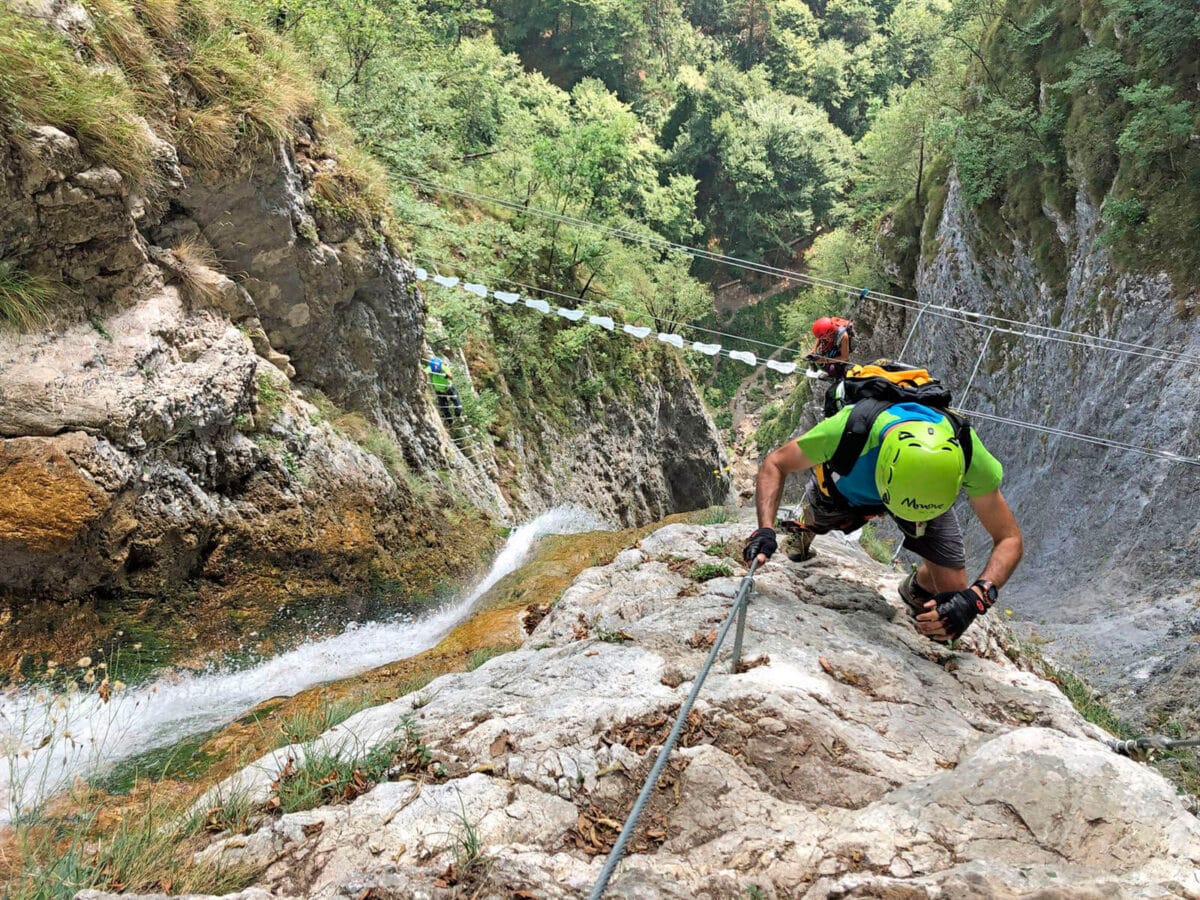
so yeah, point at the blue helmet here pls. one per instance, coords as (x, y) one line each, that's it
(435, 365)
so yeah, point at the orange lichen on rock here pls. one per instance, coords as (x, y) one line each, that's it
(46, 500)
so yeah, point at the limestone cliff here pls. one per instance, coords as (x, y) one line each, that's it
(1111, 563)
(851, 758)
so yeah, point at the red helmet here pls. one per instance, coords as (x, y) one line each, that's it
(824, 327)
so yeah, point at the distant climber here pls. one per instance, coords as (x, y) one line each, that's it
(449, 404)
(835, 342)
(906, 458)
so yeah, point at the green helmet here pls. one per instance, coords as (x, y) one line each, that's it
(920, 469)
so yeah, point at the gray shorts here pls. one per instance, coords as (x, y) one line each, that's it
(941, 543)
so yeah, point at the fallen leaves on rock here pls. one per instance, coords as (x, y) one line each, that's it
(502, 744)
(702, 640)
(845, 676)
(534, 615)
(745, 665)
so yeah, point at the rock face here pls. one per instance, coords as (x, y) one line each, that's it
(167, 450)
(158, 446)
(632, 460)
(852, 758)
(330, 295)
(1111, 536)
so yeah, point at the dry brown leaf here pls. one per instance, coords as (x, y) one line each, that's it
(501, 745)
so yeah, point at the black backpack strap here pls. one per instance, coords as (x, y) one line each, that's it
(854, 437)
(858, 428)
(962, 428)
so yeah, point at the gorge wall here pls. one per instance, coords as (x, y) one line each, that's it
(1111, 565)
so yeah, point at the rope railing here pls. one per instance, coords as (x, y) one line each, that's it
(736, 612)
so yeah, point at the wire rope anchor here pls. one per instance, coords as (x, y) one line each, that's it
(660, 763)
(1150, 743)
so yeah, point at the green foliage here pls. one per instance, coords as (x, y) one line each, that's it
(609, 635)
(714, 515)
(25, 299)
(875, 546)
(42, 82)
(1157, 126)
(778, 422)
(483, 654)
(147, 847)
(269, 395)
(308, 724)
(479, 408)
(842, 255)
(709, 571)
(1122, 218)
(774, 165)
(338, 772)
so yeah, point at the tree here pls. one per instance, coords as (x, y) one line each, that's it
(1157, 126)
(783, 168)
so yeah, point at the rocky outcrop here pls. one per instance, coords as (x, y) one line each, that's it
(632, 459)
(1111, 564)
(157, 445)
(852, 757)
(166, 452)
(327, 292)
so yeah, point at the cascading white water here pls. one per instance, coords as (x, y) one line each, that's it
(86, 735)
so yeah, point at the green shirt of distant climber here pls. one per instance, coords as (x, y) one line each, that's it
(440, 380)
(858, 485)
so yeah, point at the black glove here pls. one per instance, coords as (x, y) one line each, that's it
(958, 609)
(760, 541)
(811, 357)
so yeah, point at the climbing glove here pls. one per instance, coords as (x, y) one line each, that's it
(762, 540)
(957, 610)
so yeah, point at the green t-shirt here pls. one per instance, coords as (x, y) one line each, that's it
(858, 485)
(441, 383)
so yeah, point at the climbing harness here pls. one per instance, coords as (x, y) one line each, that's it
(738, 611)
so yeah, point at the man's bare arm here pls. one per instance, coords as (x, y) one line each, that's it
(1007, 544)
(774, 471)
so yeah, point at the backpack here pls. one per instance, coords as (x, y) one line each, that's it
(876, 387)
(844, 326)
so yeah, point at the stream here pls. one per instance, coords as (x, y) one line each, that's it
(46, 741)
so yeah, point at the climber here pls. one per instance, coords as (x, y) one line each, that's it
(905, 460)
(449, 405)
(835, 341)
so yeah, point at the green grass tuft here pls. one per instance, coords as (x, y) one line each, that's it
(483, 654)
(875, 546)
(337, 774)
(43, 83)
(709, 571)
(25, 299)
